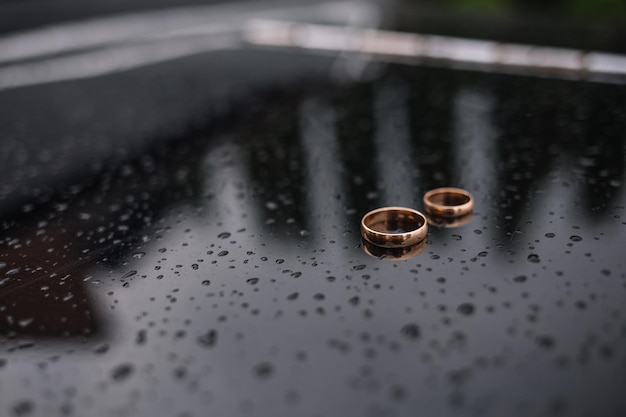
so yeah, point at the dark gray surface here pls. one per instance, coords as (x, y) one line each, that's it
(57, 132)
(19, 16)
(218, 269)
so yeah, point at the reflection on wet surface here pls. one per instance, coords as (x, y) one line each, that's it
(222, 269)
(450, 222)
(394, 254)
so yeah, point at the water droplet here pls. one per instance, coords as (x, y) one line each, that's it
(544, 341)
(459, 376)
(575, 238)
(534, 258)
(206, 282)
(252, 281)
(129, 274)
(359, 267)
(467, 309)
(280, 261)
(25, 322)
(549, 235)
(26, 345)
(263, 370)
(293, 296)
(223, 253)
(224, 235)
(141, 337)
(456, 237)
(411, 331)
(398, 392)
(139, 255)
(122, 372)
(520, 278)
(104, 348)
(23, 408)
(60, 207)
(209, 339)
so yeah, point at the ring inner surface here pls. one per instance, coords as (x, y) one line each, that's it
(449, 199)
(394, 222)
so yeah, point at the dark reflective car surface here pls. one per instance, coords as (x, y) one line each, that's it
(182, 239)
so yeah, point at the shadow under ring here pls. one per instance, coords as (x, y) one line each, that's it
(394, 254)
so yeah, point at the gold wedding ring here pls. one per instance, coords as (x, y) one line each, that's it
(394, 227)
(448, 202)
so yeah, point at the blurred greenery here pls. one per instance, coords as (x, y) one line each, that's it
(589, 8)
(598, 25)
(598, 7)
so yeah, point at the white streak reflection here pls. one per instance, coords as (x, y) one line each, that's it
(102, 46)
(67, 37)
(399, 47)
(107, 61)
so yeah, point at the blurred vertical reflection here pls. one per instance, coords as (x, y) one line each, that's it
(324, 176)
(431, 127)
(395, 158)
(356, 119)
(576, 128)
(275, 160)
(476, 138)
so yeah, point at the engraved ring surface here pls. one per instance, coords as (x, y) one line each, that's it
(448, 202)
(394, 227)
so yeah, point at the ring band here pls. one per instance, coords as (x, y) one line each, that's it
(394, 227)
(448, 202)
(394, 254)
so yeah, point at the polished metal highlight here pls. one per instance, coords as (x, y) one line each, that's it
(448, 202)
(394, 227)
(394, 254)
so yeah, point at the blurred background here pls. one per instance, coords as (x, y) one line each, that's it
(585, 24)
(183, 183)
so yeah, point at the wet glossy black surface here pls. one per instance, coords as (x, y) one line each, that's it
(216, 268)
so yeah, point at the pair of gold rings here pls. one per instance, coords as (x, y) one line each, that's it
(401, 227)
